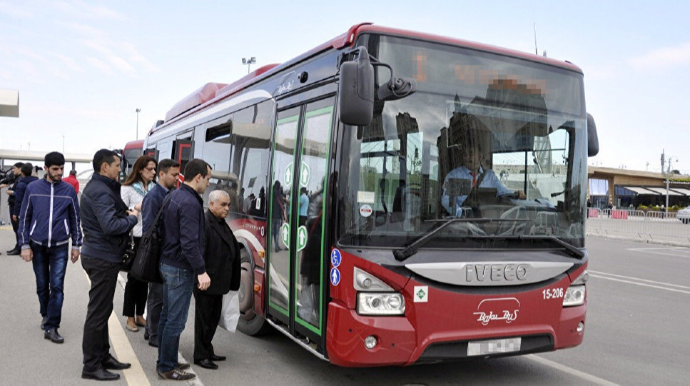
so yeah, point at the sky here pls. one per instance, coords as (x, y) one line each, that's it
(82, 68)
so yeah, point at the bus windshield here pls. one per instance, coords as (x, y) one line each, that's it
(488, 137)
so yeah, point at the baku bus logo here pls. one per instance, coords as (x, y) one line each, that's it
(497, 310)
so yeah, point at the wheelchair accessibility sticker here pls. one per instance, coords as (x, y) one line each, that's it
(335, 258)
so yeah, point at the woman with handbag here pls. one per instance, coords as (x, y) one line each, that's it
(139, 182)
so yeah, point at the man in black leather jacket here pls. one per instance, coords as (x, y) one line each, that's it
(106, 221)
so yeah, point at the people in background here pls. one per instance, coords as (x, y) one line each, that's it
(72, 180)
(10, 181)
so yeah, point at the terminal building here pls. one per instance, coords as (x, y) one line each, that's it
(631, 188)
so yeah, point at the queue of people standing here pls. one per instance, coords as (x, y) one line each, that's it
(199, 254)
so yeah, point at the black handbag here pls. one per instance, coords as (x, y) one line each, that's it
(147, 261)
(128, 257)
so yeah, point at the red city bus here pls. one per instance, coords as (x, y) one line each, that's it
(363, 238)
(132, 151)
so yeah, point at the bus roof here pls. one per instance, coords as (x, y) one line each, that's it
(466, 43)
(211, 93)
(138, 144)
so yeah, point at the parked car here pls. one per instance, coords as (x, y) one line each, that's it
(684, 215)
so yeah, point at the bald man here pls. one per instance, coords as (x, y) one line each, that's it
(222, 258)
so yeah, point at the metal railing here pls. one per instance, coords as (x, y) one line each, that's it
(650, 225)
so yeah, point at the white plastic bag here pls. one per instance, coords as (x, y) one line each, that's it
(230, 313)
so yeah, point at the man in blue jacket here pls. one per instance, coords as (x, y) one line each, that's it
(182, 259)
(168, 173)
(107, 222)
(49, 215)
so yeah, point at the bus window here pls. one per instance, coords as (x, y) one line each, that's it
(249, 155)
(216, 151)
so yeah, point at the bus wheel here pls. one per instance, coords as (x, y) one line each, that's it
(250, 323)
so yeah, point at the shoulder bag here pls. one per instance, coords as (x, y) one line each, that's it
(147, 261)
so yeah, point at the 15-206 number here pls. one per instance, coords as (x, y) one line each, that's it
(556, 293)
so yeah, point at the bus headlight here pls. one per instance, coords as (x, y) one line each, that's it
(574, 296)
(372, 303)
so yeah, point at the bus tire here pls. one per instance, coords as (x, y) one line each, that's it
(250, 322)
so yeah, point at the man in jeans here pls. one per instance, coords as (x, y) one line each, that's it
(168, 173)
(181, 260)
(49, 215)
(107, 222)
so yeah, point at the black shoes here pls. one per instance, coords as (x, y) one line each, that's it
(14, 252)
(146, 335)
(100, 375)
(110, 363)
(182, 366)
(53, 335)
(176, 375)
(43, 322)
(217, 358)
(153, 343)
(207, 364)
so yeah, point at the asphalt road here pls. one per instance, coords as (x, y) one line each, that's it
(636, 334)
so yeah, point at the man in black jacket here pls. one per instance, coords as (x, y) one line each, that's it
(222, 257)
(182, 259)
(10, 182)
(106, 221)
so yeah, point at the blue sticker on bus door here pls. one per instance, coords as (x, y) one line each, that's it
(335, 258)
(335, 276)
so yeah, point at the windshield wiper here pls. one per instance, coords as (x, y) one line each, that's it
(410, 250)
(569, 247)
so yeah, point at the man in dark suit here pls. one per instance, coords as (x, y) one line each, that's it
(222, 257)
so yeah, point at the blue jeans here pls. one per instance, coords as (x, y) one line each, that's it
(277, 223)
(50, 265)
(177, 294)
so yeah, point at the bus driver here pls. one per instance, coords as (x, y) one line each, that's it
(460, 181)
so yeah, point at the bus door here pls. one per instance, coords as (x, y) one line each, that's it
(296, 211)
(183, 151)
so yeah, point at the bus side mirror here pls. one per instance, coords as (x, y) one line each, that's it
(592, 137)
(356, 91)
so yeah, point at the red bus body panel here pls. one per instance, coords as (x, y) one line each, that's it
(446, 317)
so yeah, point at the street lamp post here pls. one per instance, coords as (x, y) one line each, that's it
(668, 174)
(138, 110)
(248, 62)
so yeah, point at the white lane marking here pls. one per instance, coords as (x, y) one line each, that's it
(134, 375)
(638, 279)
(662, 248)
(193, 382)
(566, 369)
(659, 251)
(641, 284)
